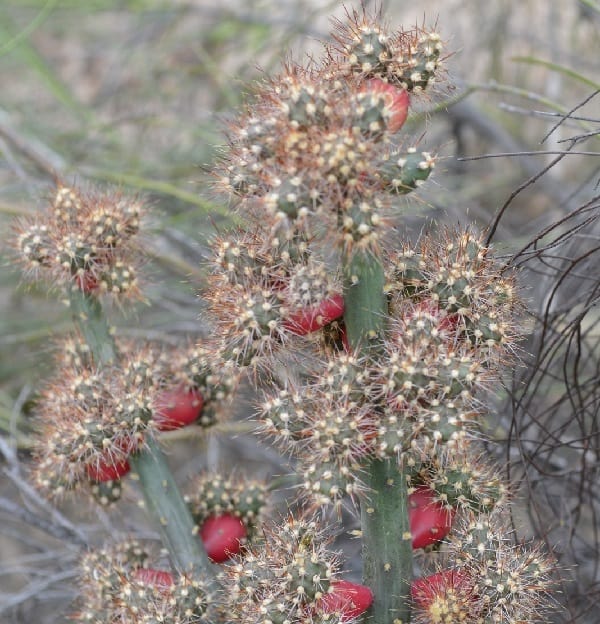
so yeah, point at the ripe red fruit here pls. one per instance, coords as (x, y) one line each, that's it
(344, 337)
(449, 323)
(430, 521)
(396, 102)
(86, 282)
(426, 589)
(308, 320)
(221, 536)
(161, 579)
(349, 599)
(446, 322)
(177, 408)
(107, 469)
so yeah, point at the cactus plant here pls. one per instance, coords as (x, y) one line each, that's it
(374, 362)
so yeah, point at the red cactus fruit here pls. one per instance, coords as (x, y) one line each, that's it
(177, 408)
(108, 469)
(447, 322)
(86, 282)
(430, 521)
(396, 100)
(161, 579)
(308, 320)
(445, 596)
(349, 599)
(344, 337)
(222, 536)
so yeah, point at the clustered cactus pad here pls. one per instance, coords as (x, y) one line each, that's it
(92, 418)
(374, 360)
(86, 240)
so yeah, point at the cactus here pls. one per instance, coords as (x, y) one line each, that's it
(374, 364)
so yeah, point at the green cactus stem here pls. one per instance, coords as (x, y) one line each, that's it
(387, 549)
(365, 302)
(386, 543)
(164, 501)
(166, 505)
(88, 317)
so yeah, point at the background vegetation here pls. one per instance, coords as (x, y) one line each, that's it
(134, 92)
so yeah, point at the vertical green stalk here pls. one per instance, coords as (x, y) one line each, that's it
(164, 501)
(387, 550)
(88, 316)
(166, 505)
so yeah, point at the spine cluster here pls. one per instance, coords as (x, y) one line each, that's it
(85, 241)
(119, 584)
(92, 418)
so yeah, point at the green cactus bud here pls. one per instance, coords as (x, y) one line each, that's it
(106, 493)
(119, 279)
(403, 172)
(284, 417)
(370, 50)
(66, 205)
(417, 69)
(75, 253)
(35, 245)
(307, 105)
(326, 482)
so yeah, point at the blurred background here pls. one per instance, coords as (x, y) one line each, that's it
(134, 93)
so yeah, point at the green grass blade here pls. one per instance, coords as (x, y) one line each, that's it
(561, 69)
(18, 44)
(159, 186)
(39, 19)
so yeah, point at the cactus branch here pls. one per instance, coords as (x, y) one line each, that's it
(387, 551)
(364, 300)
(88, 317)
(165, 503)
(163, 499)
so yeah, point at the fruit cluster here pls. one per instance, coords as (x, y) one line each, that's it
(315, 162)
(368, 356)
(417, 400)
(487, 578)
(292, 576)
(92, 418)
(119, 585)
(85, 241)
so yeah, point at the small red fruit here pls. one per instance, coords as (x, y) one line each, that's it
(396, 102)
(349, 599)
(430, 521)
(344, 337)
(308, 320)
(161, 579)
(177, 408)
(446, 322)
(107, 469)
(222, 536)
(425, 590)
(86, 282)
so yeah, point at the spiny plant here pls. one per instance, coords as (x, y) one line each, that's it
(374, 359)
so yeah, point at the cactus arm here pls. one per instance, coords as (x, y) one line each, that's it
(88, 317)
(163, 498)
(166, 506)
(387, 550)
